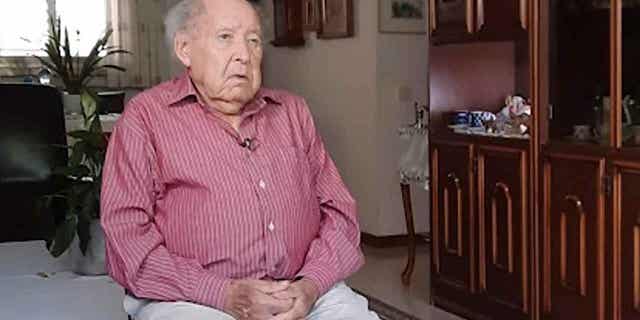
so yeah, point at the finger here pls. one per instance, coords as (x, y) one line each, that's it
(286, 294)
(268, 302)
(270, 287)
(284, 316)
(296, 312)
(277, 306)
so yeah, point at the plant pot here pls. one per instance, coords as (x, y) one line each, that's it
(93, 262)
(71, 103)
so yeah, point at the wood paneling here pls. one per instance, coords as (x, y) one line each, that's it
(573, 251)
(452, 21)
(503, 219)
(459, 75)
(501, 20)
(627, 239)
(452, 206)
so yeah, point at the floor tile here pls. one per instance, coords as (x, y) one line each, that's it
(380, 278)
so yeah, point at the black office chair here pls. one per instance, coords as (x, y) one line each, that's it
(31, 124)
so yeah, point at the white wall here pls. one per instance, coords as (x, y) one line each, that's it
(338, 79)
(402, 62)
(351, 86)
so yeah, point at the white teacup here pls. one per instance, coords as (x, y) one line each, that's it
(582, 132)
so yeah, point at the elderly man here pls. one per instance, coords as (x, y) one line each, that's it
(219, 200)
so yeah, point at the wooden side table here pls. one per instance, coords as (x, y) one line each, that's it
(413, 168)
(411, 233)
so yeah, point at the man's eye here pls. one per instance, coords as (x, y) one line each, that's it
(224, 36)
(255, 41)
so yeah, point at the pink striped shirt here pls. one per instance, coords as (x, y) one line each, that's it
(185, 208)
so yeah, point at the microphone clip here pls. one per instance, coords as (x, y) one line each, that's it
(247, 143)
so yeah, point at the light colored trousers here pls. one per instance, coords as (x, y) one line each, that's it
(339, 303)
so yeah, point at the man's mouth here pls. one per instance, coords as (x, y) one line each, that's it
(240, 77)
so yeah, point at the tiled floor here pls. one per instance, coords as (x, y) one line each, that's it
(380, 278)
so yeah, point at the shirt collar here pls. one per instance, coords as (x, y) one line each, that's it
(183, 88)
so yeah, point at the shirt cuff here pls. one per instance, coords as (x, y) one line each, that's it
(210, 291)
(320, 275)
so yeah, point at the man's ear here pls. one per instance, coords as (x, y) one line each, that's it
(182, 48)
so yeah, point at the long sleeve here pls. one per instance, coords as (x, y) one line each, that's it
(335, 253)
(137, 257)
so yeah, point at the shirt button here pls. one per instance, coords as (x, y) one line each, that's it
(262, 184)
(271, 226)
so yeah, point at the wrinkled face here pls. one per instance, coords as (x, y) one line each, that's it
(224, 54)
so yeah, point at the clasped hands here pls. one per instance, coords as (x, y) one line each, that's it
(249, 299)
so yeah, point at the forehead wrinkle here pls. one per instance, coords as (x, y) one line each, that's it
(217, 13)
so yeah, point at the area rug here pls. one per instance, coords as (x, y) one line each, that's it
(386, 311)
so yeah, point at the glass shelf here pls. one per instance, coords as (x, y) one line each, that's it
(630, 75)
(579, 72)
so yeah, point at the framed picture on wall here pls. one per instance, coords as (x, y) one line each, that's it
(402, 16)
(336, 19)
(310, 15)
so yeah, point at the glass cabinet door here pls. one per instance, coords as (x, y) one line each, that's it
(579, 71)
(630, 115)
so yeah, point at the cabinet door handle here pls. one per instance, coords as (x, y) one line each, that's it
(523, 14)
(469, 19)
(432, 15)
(452, 177)
(480, 15)
(582, 247)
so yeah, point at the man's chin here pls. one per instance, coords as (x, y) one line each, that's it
(242, 96)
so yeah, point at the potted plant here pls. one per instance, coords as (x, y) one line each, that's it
(79, 195)
(75, 71)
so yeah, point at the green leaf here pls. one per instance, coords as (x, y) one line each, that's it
(89, 106)
(64, 236)
(54, 68)
(77, 153)
(74, 171)
(96, 128)
(79, 134)
(111, 66)
(118, 51)
(67, 55)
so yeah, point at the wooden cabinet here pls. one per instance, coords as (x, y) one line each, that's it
(591, 251)
(579, 72)
(626, 242)
(454, 21)
(500, 20)
(573, 237)
(481, 229)
(451, 20)
(504, 233)
(287, 17)
(553, 223)
(453, 240)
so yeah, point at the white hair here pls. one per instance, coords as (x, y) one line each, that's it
(180, 18)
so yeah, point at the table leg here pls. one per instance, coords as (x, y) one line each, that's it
(411, 234)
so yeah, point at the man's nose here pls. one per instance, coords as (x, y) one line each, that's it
(242, 51)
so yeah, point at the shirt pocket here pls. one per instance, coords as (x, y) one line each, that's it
(295, 186)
